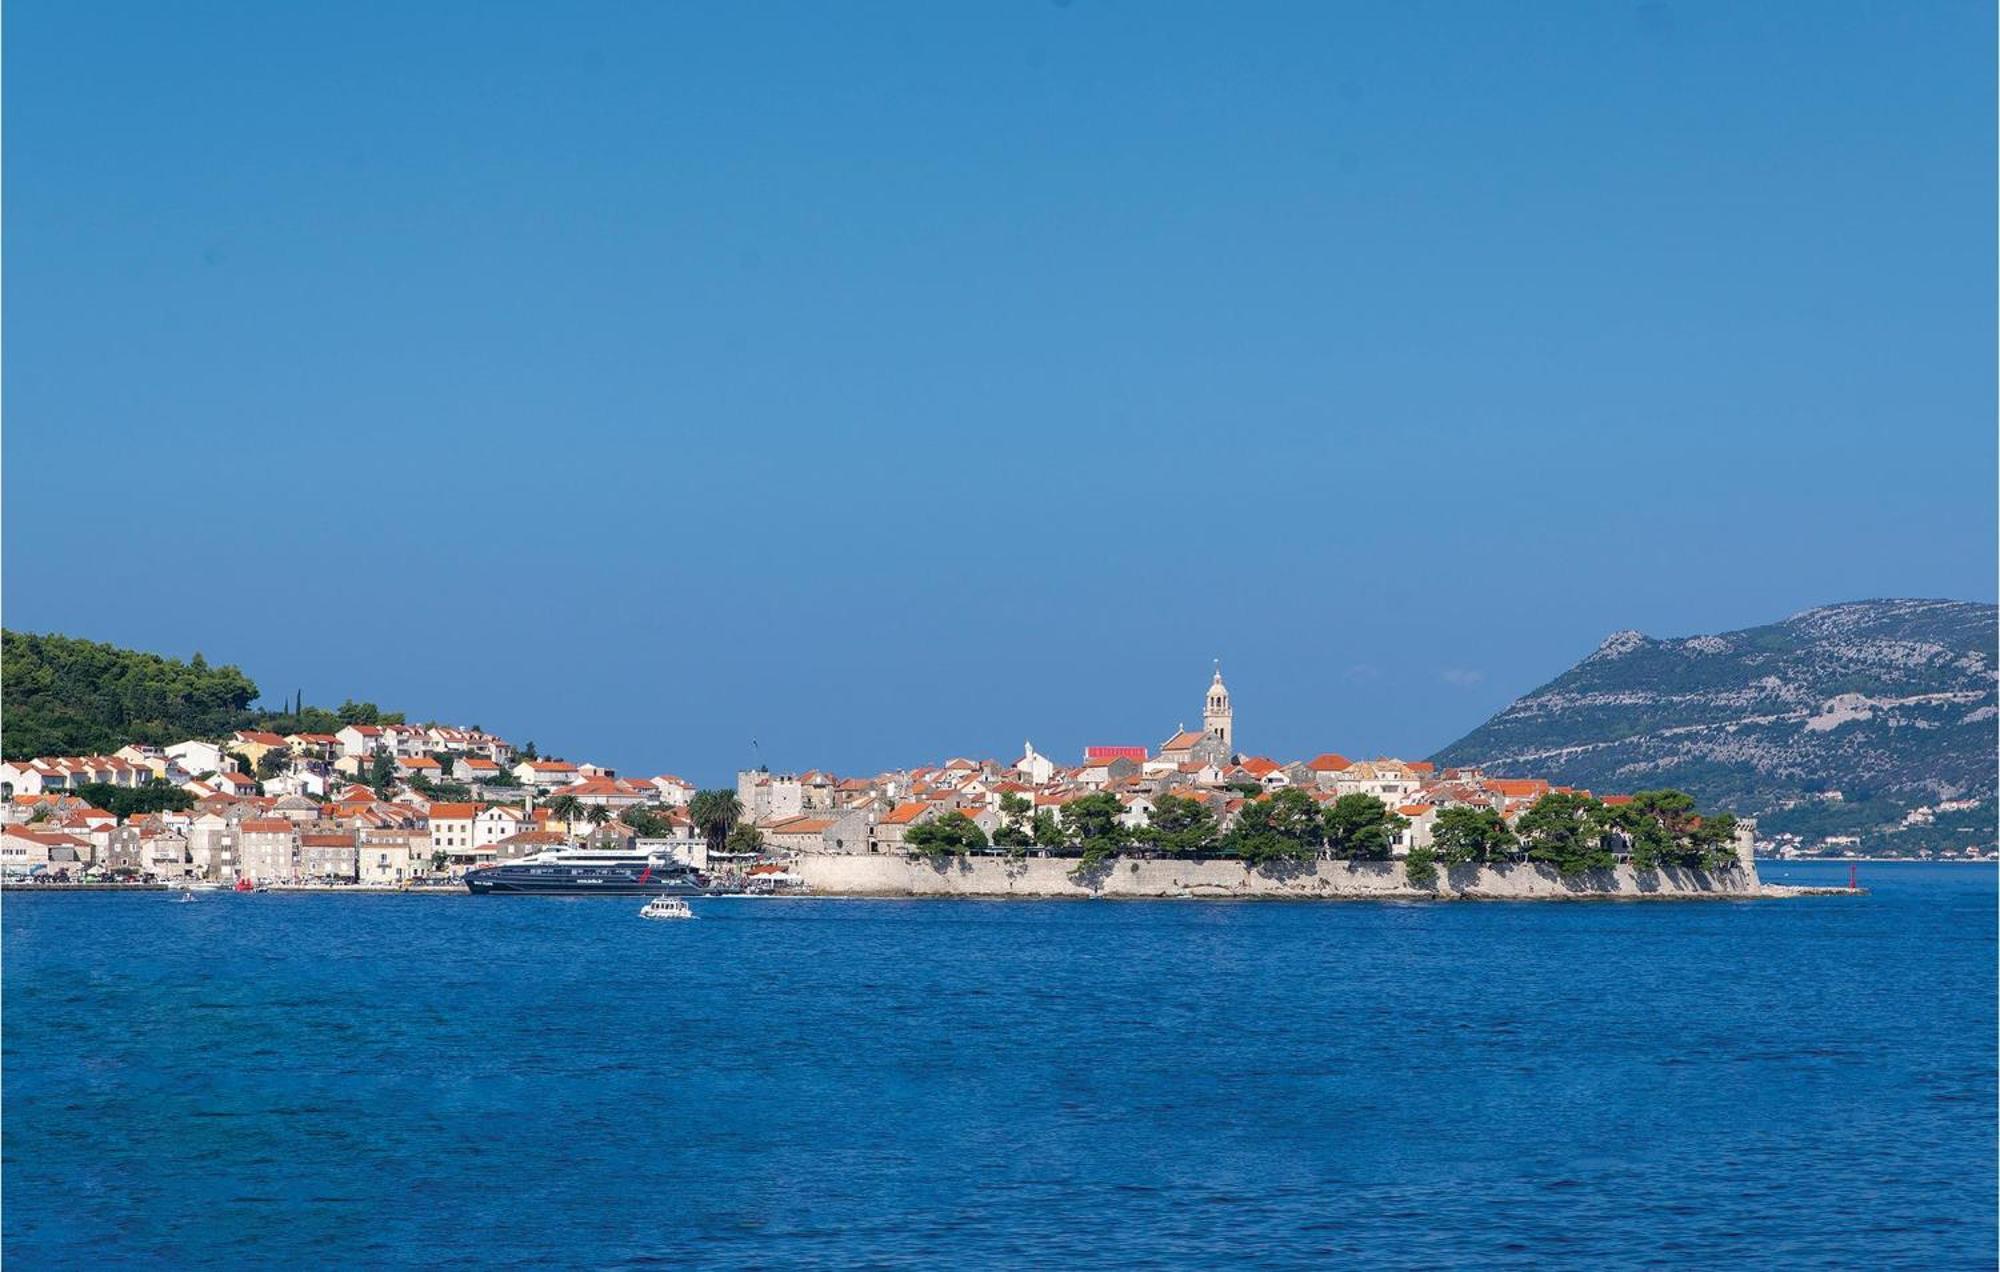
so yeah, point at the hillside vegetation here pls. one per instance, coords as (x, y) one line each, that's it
(1836, 721)
(64, 696)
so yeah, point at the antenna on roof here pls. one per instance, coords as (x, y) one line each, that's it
(758, 751)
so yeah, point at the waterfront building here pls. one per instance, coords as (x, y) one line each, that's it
(391, 854)
(267, 849)
(769, 796)
(451, 826)
(165, 855)
(330, 855)
(213, 845)
(886, 835)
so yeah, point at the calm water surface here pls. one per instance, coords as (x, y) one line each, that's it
(383, 1080)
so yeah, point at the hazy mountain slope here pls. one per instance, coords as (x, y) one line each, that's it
(1889, 703)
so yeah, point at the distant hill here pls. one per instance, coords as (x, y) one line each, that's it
(1891, 704)
(64, 696)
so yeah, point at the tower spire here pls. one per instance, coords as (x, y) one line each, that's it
(1217, 720)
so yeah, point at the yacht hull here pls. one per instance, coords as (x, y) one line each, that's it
(520, 879)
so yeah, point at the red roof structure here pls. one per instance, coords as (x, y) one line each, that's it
(1136, 754)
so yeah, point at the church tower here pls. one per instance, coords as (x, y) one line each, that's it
(1217, 722)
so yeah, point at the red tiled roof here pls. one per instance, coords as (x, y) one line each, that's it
(1136, 754)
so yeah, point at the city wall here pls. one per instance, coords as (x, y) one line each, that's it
(895, 876)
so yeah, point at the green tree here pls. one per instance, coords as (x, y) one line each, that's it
(131, 801)
(566, 808)
(273, 762)
(597, 814)
(352, 712)
(952, 834)
(1566, 830)
(1283, 827)
(744, 839)
(1420, 867)
(1092, 823)
(1181, 827)
(1048, 831)
(1663, 828)
(715, 813)
(382, 773)
(1013, 832)
(1715, 839)
(1361, 828)
(647, 823)
(63, 696)
(1467, 836)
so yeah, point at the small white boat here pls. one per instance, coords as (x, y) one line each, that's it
(187, 894)
(667, 908)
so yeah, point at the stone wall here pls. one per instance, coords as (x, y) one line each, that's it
(896, 876)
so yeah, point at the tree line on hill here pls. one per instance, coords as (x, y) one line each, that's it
(1575, 833)
(65, 696)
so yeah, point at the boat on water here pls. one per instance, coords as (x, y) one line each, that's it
(246, 884)
(589, 872)
(665, 907)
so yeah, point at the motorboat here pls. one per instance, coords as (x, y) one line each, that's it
(667, 907)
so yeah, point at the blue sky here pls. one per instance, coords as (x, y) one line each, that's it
(885, 382)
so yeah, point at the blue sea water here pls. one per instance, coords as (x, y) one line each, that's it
(381, 1080)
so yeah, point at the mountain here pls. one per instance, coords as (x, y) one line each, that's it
(1840, 721)
(64, 696)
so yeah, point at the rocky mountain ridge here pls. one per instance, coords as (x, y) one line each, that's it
(1872, 720)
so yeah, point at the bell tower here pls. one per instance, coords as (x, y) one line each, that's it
(1217, 721)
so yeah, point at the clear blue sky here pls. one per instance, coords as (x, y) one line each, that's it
(893, 381)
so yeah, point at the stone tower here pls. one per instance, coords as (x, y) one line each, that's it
(1217, 722)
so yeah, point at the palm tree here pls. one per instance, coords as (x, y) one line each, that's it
(597, 814)
(716, 812)
(565, 808)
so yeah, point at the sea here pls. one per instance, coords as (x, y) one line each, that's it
(385, 1080)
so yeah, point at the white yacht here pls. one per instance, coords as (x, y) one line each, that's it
(574, 870)
(667, 907)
